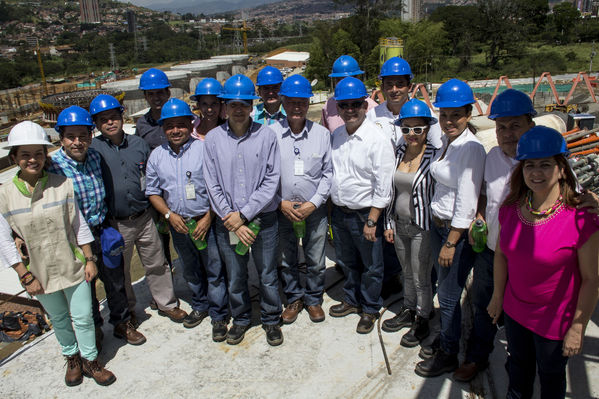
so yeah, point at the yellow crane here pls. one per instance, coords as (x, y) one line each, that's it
(244, 29)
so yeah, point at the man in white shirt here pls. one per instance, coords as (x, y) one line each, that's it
(363, 164)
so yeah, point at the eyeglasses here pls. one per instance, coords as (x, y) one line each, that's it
(418, 130)
(354, 105)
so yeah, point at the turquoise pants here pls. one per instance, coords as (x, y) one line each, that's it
(70, 311)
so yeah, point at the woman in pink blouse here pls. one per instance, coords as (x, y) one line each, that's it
(546, 266)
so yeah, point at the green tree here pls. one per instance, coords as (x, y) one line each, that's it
(500, 28)
(565, 17)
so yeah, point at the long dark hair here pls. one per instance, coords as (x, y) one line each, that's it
(567, 185)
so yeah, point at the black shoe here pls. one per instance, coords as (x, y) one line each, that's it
(404, 318)
(274, 335)
(219, 330)
(426, 352)
(194, 318)
(366, 323)
(343, 309)
(236, 333)
(418, 332)
(440, 363)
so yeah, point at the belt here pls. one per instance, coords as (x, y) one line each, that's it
(442, 223)
(404, 220)
(345, 209)
(130, 217)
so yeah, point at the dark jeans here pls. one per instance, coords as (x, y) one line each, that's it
(480, 343)
(392, 266)
(114, 285)
(526, 351)
(265, 253)
(451, 281)
(204, 273)
(313, 245)
(363, 282)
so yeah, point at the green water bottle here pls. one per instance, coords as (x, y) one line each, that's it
(191, 226)
(241, 248)
(299, 228)
(479, 235)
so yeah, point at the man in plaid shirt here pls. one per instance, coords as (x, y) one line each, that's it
(81, 164)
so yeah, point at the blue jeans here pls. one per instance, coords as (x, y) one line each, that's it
(480, 343)
(204, 273)
(264, 251)
(451, 282)
(363, 282)
(70, 311)
(527, 350)
(313, 245)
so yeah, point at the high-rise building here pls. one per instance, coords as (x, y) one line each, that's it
(90, 12)
(411, 10)
(131, 21)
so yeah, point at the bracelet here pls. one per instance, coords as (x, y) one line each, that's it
(30, 281)
(24, 277)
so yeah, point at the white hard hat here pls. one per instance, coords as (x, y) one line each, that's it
(27, 133)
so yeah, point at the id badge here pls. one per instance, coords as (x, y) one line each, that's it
(233, 239)
(142, 182)
(298, 167)
(190, 191)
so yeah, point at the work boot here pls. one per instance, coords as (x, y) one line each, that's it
(404, 318)
(73, 376)
(194, 318)
(468, 370)
(441, 362)
(127, 332)
(274, 335)
(418, 332)
(343, 309)
(92, 369)
(366, 323)
(291, 311)
(316, 313)
(219, 330)
(236, 333)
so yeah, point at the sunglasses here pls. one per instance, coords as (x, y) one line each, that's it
(354, 105)
(418, 130)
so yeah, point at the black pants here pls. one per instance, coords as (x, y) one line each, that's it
(114, 285)
(526, 351)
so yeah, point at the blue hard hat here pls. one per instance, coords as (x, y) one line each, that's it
(541, 142)
(346, 65)
(174, 108)
(396, 66)
(104, 102)
(73, 116)
(153, 79)
(269, 76)
(415, 109)
(350, 88)
(239, 87)
(454, 93)
(511, 103)
(207, 87)
(296, 86)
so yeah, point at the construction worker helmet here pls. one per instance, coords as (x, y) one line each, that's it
(396, 66)
(207, 87)
(174, 108)
(27, 133)
(541, 142)
(350, 88)
(239, 87)
(153, 79)
(104, 102)
(346, 65)
(269, 76)
(73, 116)
(511, 103)
(415, 109)
(296, 86)
(454, 93)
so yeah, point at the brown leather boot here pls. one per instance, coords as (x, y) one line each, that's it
(127, 332)
(73, 376)
(92, 369)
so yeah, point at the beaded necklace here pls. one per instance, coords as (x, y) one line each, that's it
(546, 212)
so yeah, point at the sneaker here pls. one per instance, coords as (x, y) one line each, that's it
(219, 330)
(404, 318)
(92, 369)
(291, 311)
(74, 374)
(236, 333)
(418, 333)
(440, 363)
(343, 309)
(366, 323)
(274, 335)
(194, 318)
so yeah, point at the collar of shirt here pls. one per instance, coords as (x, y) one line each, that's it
(262, 113)
(458, 140)
(22, 187)
(182, 150)
(288, 133)
(64, 158)
(149, 118)
(253, 128)
(123, 144)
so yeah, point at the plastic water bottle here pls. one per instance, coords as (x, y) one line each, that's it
(241, 248)
(479, 235)
(191, 226)
(299, 228)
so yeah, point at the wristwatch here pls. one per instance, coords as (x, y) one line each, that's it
(370, 223)
(450, 244)
(92, 258)
(167, 215)
(243, 218)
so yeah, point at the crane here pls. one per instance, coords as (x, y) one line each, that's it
(244, 29)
